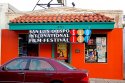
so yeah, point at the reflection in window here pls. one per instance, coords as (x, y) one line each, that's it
(36, 64)
(66, 65)
(95, 49)
(19, 64)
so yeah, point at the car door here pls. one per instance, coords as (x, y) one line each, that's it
(13, 72)
(39, 71)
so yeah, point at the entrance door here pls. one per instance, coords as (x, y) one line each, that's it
(32, 49)
(26, 49)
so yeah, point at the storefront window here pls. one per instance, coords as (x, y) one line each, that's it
(22, 45)
(25, 48)
(95, 49)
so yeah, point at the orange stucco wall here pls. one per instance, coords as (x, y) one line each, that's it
(9, 45)
(113, 69)
(45, 50)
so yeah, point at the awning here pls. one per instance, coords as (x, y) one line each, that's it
(63, 25)
(62, 21)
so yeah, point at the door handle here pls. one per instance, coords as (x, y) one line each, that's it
(21, 73)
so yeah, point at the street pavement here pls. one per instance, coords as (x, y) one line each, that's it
(95, 80)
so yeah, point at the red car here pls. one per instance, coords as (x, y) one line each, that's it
(40, 70)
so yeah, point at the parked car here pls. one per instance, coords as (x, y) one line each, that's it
(40, 70)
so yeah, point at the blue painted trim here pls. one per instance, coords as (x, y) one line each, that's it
(70, 54)
(53, 50)
(61, 25)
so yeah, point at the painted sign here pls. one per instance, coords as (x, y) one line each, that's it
(87, 32)
(59, 36)
(39, 36)
(86, 39)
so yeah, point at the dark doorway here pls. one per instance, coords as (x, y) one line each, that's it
(32, 49)
(26, 49)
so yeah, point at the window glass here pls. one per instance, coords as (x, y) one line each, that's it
(37, 64)
(66, 65)
(95, 49)
(18, 64)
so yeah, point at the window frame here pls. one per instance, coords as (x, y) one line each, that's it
(5, 66)
(41, 70)
(97, 35)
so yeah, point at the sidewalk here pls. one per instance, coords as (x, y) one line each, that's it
(124, 71)
(94, 80)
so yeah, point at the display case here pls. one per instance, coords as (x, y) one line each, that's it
(95, 49)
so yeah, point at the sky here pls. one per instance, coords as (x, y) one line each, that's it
(28, 5)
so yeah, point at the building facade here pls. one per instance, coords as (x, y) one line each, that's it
(124, 42)
(124, 36)
(4, 20)
(3, 9)
(86, 39)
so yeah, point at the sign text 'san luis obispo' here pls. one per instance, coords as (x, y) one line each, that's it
(39, 36)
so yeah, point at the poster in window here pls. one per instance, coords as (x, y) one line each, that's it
(91, 55)
(62, 51)
(98, 40)
(96, 52)
(103, 48)
(99, 48)
(91, 42)
(101, 53)
(101, 56)
(103, 40)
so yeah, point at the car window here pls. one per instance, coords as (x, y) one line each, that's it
(37, 64)
(18, 64)
(66, 65)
